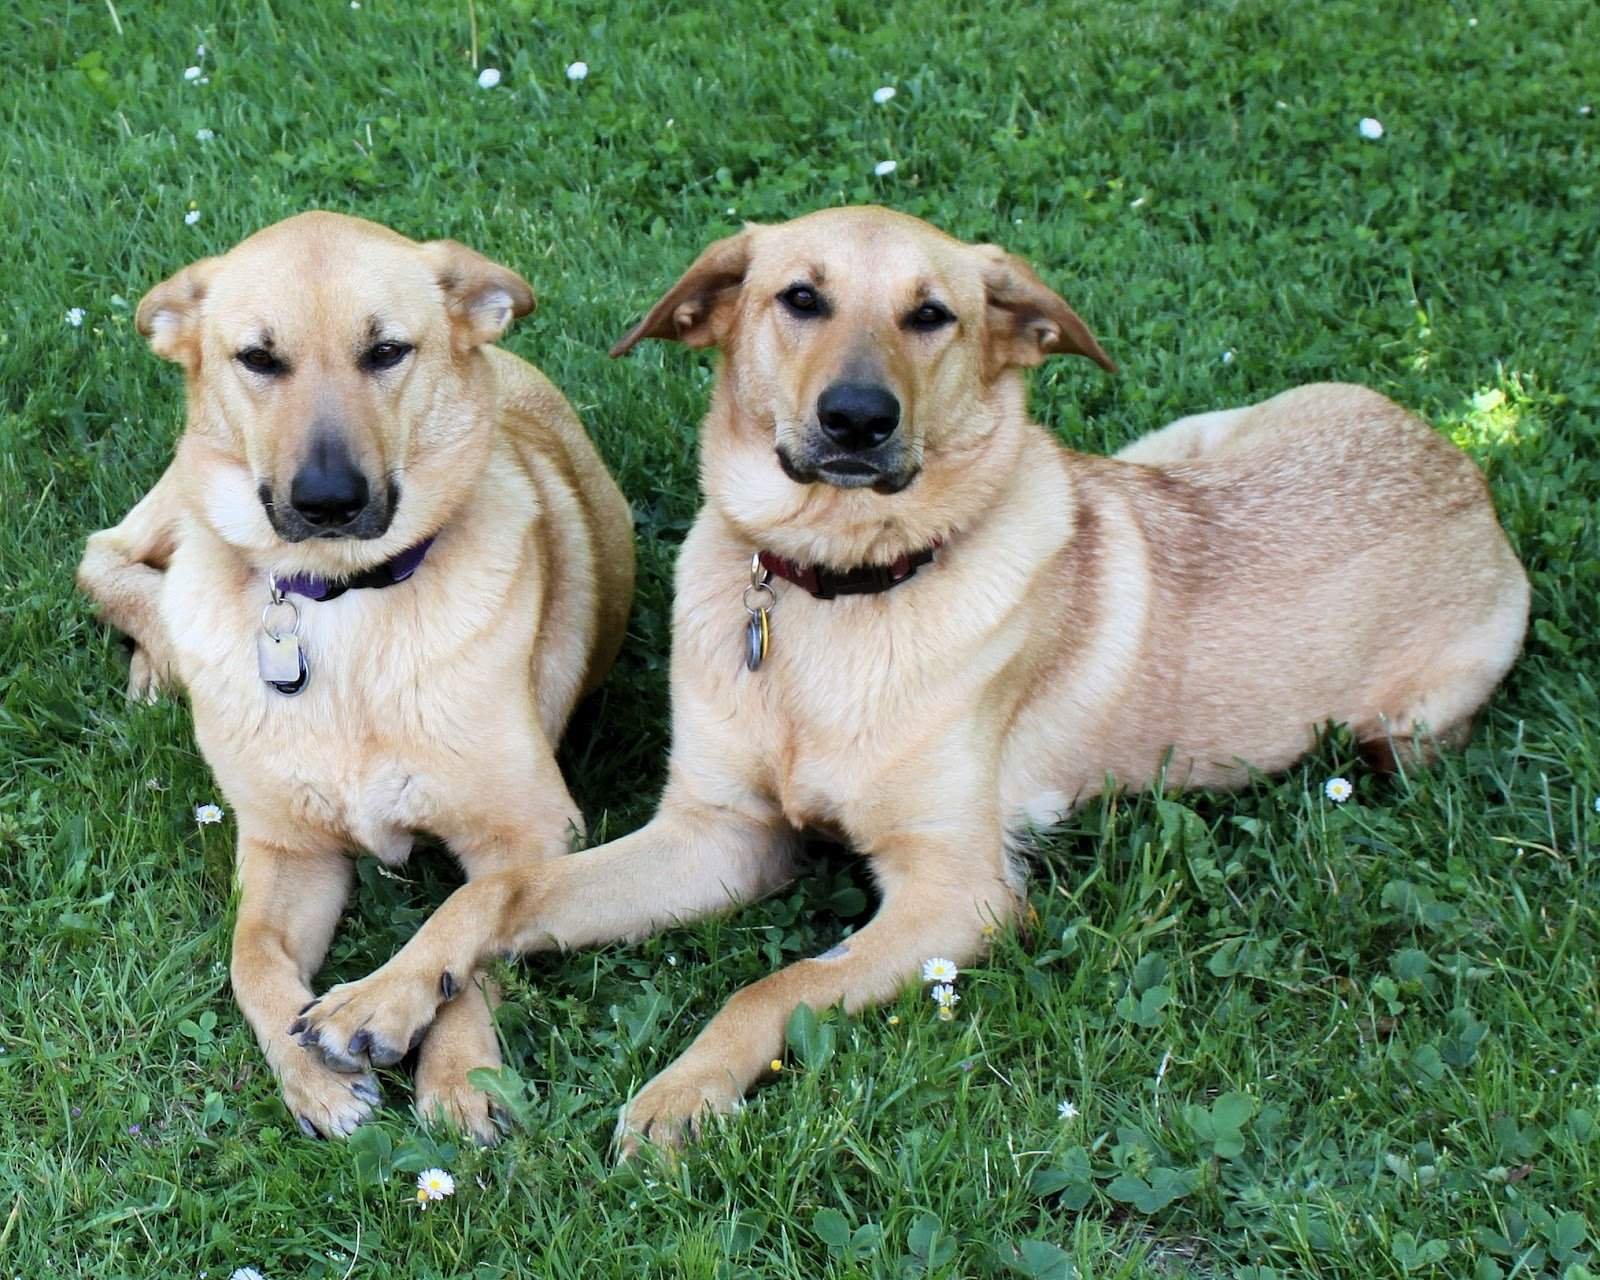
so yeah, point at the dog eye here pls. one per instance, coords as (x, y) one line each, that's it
(385, 355)
(802, 300)
(260, 360)
(929, 316)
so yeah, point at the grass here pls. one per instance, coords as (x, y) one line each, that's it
(1305, 1039)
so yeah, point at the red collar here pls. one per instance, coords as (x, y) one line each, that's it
(869, 579)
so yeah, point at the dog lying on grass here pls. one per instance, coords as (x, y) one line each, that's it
(385, 563)
(908, 617)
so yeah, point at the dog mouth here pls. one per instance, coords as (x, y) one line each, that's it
(846, 473)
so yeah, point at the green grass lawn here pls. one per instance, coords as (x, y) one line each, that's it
(1302, 1038)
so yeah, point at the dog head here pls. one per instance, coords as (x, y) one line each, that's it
(869, 359)
(339, 403)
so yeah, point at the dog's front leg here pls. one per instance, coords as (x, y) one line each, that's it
(289, 903)
(122, 570)
(939, 894)
(690, 860)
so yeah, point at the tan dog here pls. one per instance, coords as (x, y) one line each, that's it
(350, 425)
(1227, 586)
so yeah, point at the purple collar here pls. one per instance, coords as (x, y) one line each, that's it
(387, 574)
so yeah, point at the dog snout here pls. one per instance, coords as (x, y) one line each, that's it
(329, 490)
(858, 416)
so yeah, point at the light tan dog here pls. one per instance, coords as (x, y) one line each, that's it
(349, 426)
(1207, 600)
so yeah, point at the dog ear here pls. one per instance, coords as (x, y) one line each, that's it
(167, 317)
(1027, 320)
(693, 311)
(482, 297)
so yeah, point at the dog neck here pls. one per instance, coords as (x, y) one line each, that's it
(868, 579)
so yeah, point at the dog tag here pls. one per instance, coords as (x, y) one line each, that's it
(282, 661)
(757, 635)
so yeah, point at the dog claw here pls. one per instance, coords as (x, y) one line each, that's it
(297, 1026)
(367, 1092)
(360, 1043)
(448, 986)
(309, 1005)
(307, 1128)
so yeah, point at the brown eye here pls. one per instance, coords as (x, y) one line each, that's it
(385, 355)
(802, 300)
(929, 316)
(260, 360)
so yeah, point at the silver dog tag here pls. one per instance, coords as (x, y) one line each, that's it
(279, 657)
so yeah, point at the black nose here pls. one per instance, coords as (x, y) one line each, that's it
(329, 489)
(856, 416)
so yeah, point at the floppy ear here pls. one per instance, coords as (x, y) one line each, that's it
(694, 310)
(168, 316)
(1027, 321)
(483, 297)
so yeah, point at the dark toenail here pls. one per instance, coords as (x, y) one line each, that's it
(360, 1043)
(297, 1026)
(309, 1005)
(307, 1128)
(448, 986)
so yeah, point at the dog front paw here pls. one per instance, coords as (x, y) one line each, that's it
(675, 1107)
(373, 1022)
(326, 1103)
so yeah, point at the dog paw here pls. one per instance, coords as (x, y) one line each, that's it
(675, 1107)
(148, 677)
(327, 1103)
(457, 1105)
(374, 1022)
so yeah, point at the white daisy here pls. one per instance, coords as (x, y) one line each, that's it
(1227, 356)
(203, 135)
(208, 814)
(1066, 1110)
(884, 168)
(938, 969)
(200, 51)
(880, 96)
(488, 77)
(192, 217)
(1338, 790)
(1371, 129)
(75, 317)
(191, 73)
(246, 1273)
(577, 71)
(944, 995)
(434, 1184)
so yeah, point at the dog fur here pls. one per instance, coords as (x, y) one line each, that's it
(1189, 610)
(433, 705)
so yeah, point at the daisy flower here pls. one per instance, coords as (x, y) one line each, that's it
(880, 96)
(944, 995)
(947, 1013)
(434, 1184)
(75, 317)
(577, 71)
(1371, 129)
(246, 1273)
(488, 77)
(1338, 789)
(938, 969)
(1066, 1110)
(192, 217)
(203, 135)
(884, 168)
(191, 73)
(776, 1064)
(208, 814)
(1227, 356)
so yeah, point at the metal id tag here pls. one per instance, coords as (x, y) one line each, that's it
(759, 600)
(280, 658)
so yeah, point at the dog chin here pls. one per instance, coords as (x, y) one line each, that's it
(846, 473)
